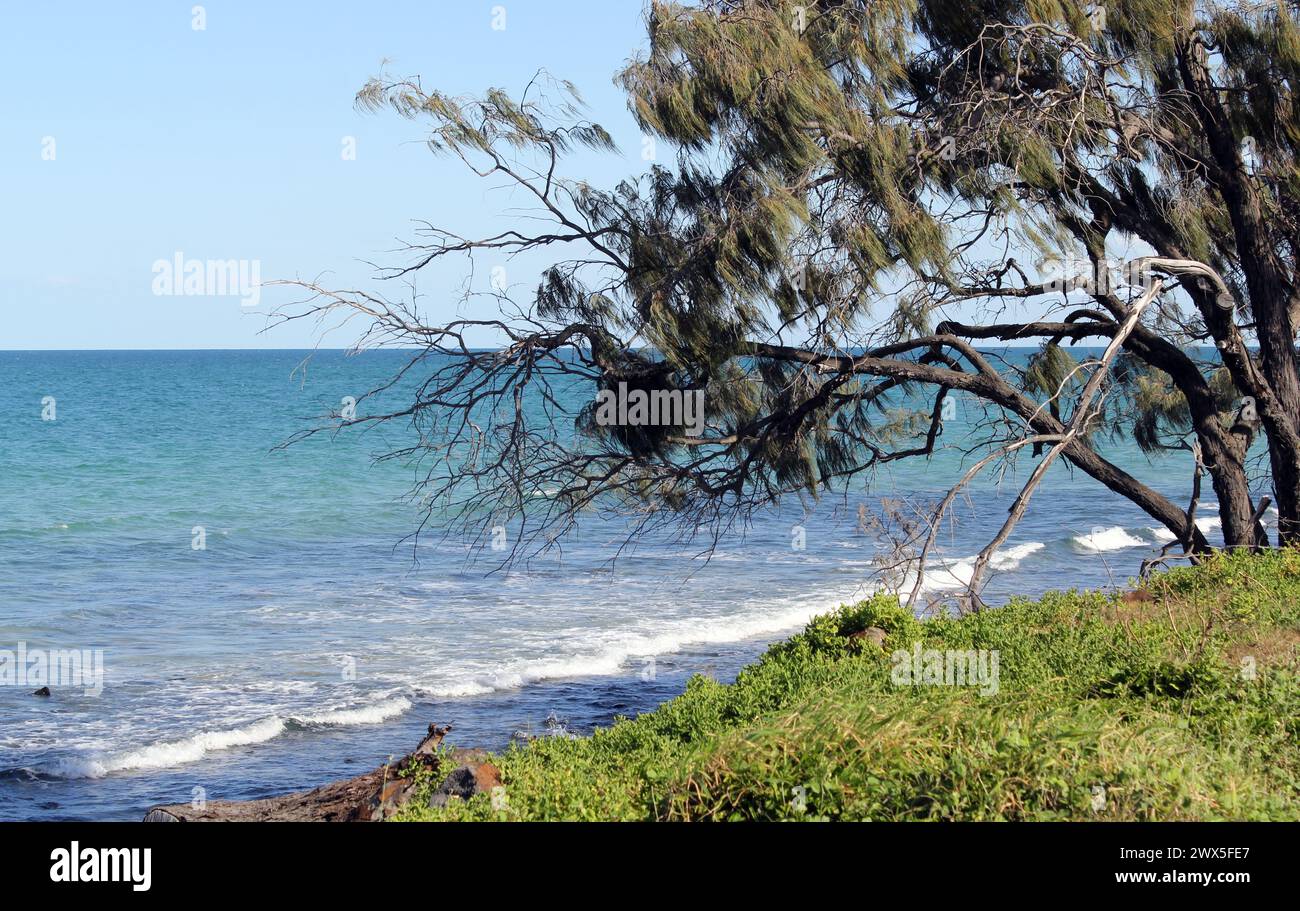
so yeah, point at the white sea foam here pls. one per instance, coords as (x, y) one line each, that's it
(576, 653)
(1106, 540)
(629, 650)
(171, 753)
(1009, 559)
(369, 714)
(945, 577)
(168, 754)
(622, 651)
(949, 575)
(1163, 535)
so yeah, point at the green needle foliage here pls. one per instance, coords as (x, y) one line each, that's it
(853, 195)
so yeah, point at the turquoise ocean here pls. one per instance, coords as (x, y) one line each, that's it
(310, 638)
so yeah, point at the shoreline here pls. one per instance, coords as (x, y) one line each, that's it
(1176, 701)
(305, 760)
(1080, 705)
(357, 798)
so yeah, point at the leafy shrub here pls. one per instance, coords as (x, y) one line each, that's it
(1137, 701)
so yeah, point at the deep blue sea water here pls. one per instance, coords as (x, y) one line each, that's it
(306, 641)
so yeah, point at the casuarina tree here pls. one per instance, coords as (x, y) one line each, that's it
(856, 203)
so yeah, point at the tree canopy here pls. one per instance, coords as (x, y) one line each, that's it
(862, 194)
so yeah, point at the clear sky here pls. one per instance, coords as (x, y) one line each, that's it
(127, 135)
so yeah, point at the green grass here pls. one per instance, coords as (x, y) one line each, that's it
(1151, 698)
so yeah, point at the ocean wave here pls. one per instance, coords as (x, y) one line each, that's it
(370, 714)
(949, 575)
(168, 754)
(623, 653)
(1164, 535)
(1107, 539)
(1011, 557)
(593, 654)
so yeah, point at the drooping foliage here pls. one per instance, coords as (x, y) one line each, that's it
(855, 195)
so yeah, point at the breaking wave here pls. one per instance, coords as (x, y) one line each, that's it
(1106, 540)
(171, 753)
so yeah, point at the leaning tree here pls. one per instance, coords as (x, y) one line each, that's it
(864, 196)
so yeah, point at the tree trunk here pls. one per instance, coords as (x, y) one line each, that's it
(1222, 453)
(1266, 281)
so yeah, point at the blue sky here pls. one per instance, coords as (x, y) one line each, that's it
(226, 143)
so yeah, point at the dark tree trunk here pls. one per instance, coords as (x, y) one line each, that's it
(1222, 452)
(1270, 307)
(1266, 283)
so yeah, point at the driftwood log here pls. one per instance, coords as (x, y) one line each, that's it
(371, 797)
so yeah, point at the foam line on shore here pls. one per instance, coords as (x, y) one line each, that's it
(167, 754)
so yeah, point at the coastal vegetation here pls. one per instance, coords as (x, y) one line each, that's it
(1179, 700)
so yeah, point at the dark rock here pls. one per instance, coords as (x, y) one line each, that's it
(43, 691)
(460, 783)
(475, 775)
(341, 801)
(429, 745)
(393, 795)
(872, 634)
(390, 798)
